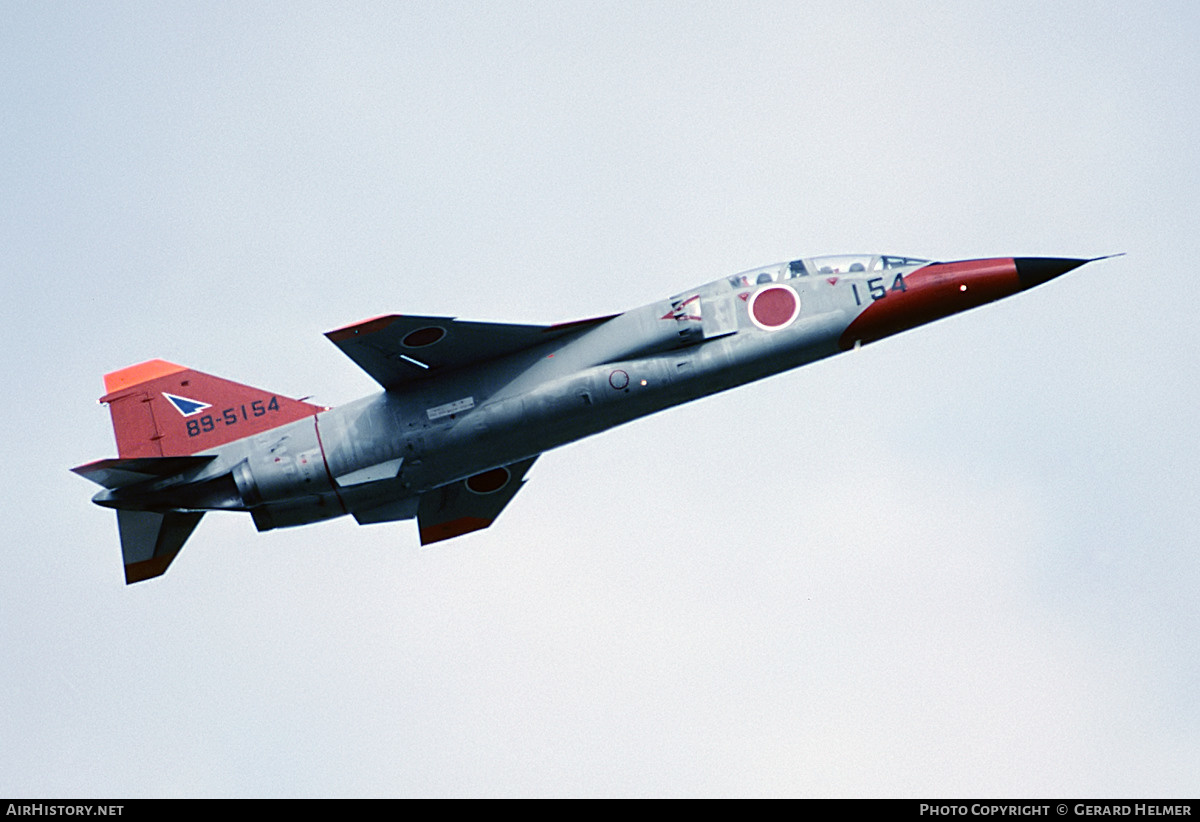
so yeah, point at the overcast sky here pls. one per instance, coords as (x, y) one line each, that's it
(959, 562)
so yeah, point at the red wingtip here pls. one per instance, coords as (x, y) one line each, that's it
(361, 328)
(454, 528)
(147, 568)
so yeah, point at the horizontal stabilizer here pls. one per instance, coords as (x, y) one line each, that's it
(397, 350)
(471, 504)
(150, 540)
(117, 473)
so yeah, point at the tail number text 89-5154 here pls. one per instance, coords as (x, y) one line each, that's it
(231, 416)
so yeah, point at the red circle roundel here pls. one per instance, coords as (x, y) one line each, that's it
(489, 482)
(423, 336)
(774, 307)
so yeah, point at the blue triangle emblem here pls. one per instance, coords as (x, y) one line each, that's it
(185, 406)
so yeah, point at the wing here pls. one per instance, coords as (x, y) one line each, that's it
(471, 504)
(397, 350)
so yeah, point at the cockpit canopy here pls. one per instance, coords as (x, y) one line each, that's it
(854, 263)
(829, 264)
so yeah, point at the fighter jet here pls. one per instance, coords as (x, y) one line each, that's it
(467, 407)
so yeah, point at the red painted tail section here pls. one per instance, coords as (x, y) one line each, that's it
(160, 409)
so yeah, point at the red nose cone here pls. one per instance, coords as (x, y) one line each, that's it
(930, 293)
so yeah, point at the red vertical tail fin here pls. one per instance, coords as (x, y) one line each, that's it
(160, 409)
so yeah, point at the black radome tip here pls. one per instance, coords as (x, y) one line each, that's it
(1037, 270)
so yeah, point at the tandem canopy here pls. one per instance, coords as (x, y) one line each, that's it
(830, 264)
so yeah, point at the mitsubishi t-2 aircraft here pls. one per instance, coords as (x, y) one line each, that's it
(467, 407)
